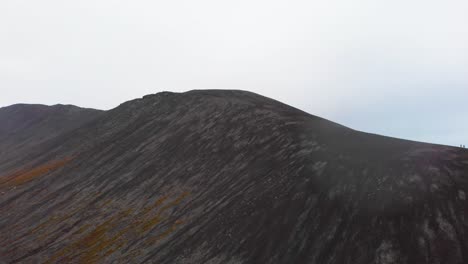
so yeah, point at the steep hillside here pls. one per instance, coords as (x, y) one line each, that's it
(231, 177)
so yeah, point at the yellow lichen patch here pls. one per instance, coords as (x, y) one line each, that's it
(24, 176)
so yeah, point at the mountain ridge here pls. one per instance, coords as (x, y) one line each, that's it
(231, 177)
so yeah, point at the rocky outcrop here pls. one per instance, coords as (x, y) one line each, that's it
(231, 177)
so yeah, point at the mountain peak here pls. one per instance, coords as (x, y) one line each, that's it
(207, 176)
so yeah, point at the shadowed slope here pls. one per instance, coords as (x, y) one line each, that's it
(24, 128)
(234, 177)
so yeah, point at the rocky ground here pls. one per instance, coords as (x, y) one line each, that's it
(222, 177)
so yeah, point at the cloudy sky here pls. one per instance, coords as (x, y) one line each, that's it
(398, 68)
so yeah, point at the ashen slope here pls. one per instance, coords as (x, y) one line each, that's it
(234, 177)
(25, 127)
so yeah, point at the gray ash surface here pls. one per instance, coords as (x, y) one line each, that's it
(222, 177)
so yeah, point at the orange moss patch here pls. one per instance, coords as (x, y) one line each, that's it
(24, 176)
(96, 244)
(150, 241)
(158, 203)
(43, 231)
(89, 248)
(149, 224)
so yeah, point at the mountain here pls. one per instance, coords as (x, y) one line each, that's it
(217, 176)
(24, 128)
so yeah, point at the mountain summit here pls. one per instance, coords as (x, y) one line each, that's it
(216, 176)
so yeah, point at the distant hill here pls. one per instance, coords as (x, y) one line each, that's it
(24, 127)
(217, 176)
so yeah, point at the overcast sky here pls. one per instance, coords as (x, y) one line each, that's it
(398, 68)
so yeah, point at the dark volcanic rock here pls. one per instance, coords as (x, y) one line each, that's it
(231, 177)
(24, 128)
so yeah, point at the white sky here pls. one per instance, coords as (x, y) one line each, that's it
(398, 68)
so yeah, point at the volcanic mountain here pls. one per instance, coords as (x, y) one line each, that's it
(217, 176)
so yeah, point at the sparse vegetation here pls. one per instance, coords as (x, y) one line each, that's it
(27, 175)
(92, 245)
